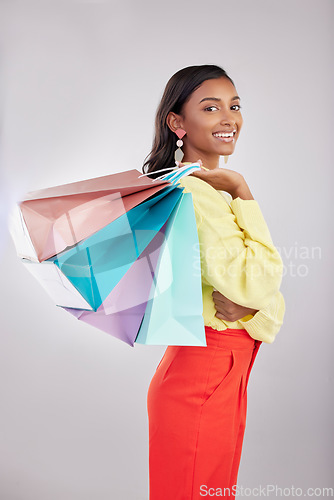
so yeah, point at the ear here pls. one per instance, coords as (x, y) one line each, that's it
(174, 121)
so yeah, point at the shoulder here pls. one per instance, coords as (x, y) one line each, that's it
(198, 187)
(204, 195)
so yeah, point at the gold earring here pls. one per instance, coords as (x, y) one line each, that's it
(226, 158)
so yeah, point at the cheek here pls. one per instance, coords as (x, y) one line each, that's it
(199, 136)
(200, 129)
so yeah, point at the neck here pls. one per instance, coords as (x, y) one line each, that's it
(209, 161)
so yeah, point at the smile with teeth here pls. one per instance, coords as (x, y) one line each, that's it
(225, 136)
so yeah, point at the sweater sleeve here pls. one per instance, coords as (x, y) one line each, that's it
(238, 257)
(267, 322)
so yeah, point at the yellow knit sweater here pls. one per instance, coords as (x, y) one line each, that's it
(238, 258)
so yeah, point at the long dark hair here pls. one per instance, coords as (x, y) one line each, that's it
(177, 91)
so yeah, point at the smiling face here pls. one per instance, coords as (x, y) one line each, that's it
(211, 112)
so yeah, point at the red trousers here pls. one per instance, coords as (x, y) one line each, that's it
(196, 403)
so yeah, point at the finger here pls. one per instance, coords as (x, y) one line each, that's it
(220, 305)
(221, 302)
(217, 296)
(198, 173)
(221, 316)
(220, 298)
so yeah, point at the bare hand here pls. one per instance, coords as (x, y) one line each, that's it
(228, 310)
(224, 179)
(221, 179)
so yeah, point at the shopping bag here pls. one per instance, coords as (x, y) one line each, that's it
(96, 265)
(122, 271)
(122, 312)
(159, 300)
(174, 315)
(50, 220)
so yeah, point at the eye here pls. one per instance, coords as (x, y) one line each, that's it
(236, 105)
(210, 107)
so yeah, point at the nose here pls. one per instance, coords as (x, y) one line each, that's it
(227, 118)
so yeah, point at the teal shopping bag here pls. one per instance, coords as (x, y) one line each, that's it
(98, 263)
(174, 315)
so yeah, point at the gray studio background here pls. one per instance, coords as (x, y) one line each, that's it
(80, 82)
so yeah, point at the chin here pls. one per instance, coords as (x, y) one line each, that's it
(227, 153)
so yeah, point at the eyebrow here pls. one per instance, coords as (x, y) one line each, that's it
(217, 99)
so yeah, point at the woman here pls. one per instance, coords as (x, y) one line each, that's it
(198, 395)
